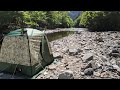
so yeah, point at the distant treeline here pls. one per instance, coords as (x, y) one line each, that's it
(99, 20)
(93, 20)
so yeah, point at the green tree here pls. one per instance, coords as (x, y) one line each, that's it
(9, 20)
(100, 20)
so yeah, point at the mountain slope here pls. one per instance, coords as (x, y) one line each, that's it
(74, 14)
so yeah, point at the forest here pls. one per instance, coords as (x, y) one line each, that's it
(93, 20)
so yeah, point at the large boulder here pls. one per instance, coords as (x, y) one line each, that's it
(66, 75)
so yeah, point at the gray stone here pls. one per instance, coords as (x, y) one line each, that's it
(107, 63)
(100, 39)
(78, 32)
(82, 73)
(115, 51)
(105, 75)
(87, 57)
(113, 61)
(88, 71)
(45, 73)
(52, 67)
(117, 46)
(104, 58)
(87, 48)
(108, 68)
(116, 67)
(73, 51)
(97, 74)
(65, 50)
(66, 75)
(118, 43)
(57, 55)
(85, 66)
(118, 63)
(96, 65)
(114, 55)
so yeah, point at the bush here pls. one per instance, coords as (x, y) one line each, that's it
(100, 20)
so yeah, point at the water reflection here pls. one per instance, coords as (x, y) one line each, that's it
(57, 35)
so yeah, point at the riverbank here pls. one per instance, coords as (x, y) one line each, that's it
(65, 29)
(87, 55)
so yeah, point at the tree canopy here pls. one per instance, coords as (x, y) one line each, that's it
(100, 20)
(50, 19)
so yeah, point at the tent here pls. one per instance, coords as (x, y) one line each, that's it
(25, 51)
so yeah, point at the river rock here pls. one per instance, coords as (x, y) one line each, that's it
(52, 67)
(88, 71)
(99, 39)
(85, 66)
(57, 55)
(66, 75)
(114, 55)
(73, 51)
(115, 51)
(96, 74)
(105, 75)
(104, 58)
(118, 63)
(107, 63)
(116, 67)
(87, 57)
(107, 68)
(82, 73)
(113, 61)
(96, 65)
(117, 47)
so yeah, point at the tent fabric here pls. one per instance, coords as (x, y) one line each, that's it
(30, 32)
(30, 52)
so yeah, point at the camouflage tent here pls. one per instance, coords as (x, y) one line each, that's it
(25, 53)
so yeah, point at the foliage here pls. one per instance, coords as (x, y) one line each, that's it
(77, 21)
(10, 20)
(100, 20)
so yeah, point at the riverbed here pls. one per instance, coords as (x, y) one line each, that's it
(87, 55)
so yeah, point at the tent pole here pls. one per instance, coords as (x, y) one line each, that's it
(29, 53)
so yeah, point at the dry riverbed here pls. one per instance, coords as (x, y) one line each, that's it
(86, 55)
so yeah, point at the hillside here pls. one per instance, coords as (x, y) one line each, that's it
(74, 14)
